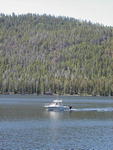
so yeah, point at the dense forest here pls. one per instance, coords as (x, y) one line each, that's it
(45, 54)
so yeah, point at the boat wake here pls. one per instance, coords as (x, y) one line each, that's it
(108, 109)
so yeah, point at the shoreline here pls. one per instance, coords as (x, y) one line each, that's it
(52, 95)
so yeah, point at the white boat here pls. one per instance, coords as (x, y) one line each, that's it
(57, 105)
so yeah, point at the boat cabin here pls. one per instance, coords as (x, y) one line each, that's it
(57, 102)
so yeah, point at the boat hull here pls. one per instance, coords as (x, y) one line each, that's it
(61, 108)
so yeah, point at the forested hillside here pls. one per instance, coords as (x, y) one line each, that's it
(47, 54)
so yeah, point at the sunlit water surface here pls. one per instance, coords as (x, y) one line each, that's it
(26, 125)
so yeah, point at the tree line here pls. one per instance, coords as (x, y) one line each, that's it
(45, 54)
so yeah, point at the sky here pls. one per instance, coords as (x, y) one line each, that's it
(96, 11)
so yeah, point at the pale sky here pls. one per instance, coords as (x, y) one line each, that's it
(97, 11)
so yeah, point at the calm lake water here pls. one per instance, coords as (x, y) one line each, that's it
(26, 125)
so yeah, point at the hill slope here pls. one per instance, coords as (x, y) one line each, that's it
(40, 54)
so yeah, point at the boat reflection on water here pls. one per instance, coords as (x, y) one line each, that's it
(54, 115)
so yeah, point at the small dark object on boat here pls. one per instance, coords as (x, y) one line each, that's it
(70, 107)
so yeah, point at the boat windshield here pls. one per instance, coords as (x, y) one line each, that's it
(57, 102)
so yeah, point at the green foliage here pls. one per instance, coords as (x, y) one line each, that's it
(40, 54)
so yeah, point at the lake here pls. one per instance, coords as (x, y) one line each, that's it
(26, 125)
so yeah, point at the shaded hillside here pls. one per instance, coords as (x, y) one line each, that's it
(40, 54)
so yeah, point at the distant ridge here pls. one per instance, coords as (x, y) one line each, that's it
(46, 54)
